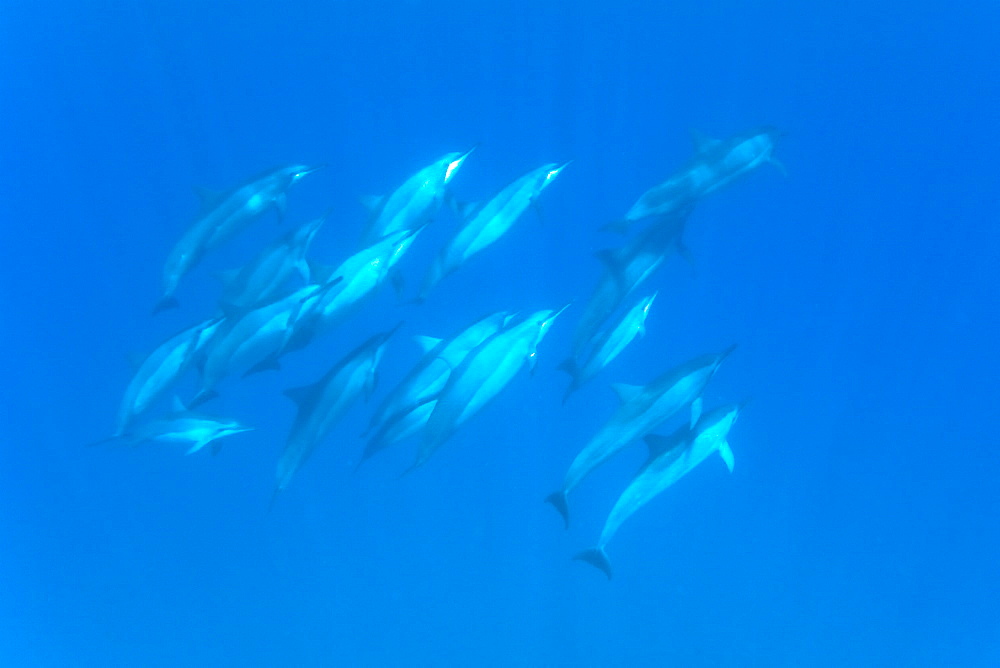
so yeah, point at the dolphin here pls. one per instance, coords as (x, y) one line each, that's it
(362, 274)
(626, 268)
(489, 222)
(260, 280)
(608, 346)
(223, 216)
(642, 410)
(716, 163)
(670, 458)
(181, 426)
(161, 369)
(253, 337)
(414, 203)
(323, 403)
(484, 372)
(428, 377)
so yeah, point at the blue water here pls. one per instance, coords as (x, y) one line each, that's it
(861, 525)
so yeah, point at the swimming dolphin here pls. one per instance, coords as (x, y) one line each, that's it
(428, 377)
(716, 164)
(252, 338)
(671, 457)
(362, 274)
(262, 279)
(484, 372)
(414, 203)
(223, 216)
(642, 410)
(487, 224)
(181, 426)
(626, 268)
(322, 404)
(608, 346)
(161, 369)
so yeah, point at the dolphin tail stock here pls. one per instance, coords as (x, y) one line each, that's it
(596, 557)
(558, 501)
(165, 304)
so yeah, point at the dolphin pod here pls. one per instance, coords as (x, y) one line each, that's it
(283, 299)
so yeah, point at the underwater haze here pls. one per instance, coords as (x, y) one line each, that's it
(856, 273)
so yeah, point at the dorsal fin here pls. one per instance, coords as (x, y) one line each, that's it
(135, 360)
(319, 272)
(609, 258)
(464, 209)
(702, 142)
(372, 202)
(176, 405)
(625, 392)
(300, 395)
(209, 198)
(226, 276)
(426, 343)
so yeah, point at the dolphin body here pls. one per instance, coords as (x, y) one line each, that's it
(362, 274)
(670, 458)
(608, 345)
(223, 216)
(255, 336)
(716, 164)
(642, 410)
(181, 426)
(626, 268)
(487, 224)
(429, 376)
(262, 279)
(414, 203)
(161, 369)
(322, 404)
(484, 372)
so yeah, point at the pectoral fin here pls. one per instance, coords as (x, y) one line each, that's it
(727, 455)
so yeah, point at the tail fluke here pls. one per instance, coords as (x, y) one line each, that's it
(558, 501)
(597, 558)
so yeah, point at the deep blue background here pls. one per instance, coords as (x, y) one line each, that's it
(862, 523)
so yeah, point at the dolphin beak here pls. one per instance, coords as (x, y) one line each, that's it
(555, 172)
(306, 171)
(555, 315)
(454, 165)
